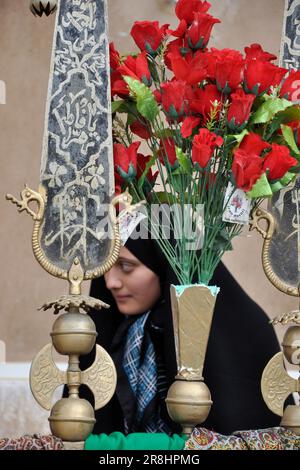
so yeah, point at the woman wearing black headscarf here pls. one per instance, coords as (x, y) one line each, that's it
(137, 331)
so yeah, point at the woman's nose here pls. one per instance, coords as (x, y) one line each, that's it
(112, 279)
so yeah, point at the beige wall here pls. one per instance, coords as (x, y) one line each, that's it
(24, 65)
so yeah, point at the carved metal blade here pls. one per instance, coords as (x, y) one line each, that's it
(45, 377)
(77, 163)
(101, 377)
(276, 384)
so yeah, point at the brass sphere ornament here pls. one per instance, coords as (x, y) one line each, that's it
(188, 403)
(73, 333)
(72, 419)
(43, 7)
(291, 345)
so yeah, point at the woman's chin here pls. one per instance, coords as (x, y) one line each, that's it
(128, 309)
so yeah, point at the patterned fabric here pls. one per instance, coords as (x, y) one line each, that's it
(139, 363)
(34, 442)
(262, 439)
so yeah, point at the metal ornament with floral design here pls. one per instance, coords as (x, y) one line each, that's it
(281, 263)
(75, 235)
(43, 7)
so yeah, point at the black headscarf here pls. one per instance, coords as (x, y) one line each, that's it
(241, 343)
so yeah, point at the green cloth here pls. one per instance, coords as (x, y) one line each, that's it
(134, 441)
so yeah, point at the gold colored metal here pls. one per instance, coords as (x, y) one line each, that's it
(101, 377)
(45, 377)
(41, 7)
(75, 277)
(79, 301)
(192, 316)
(276, 384)
(291, 419)
(257, 216)
(73, 334)
(188, 403)
(28, 195)
(291, 345)
(73, 445)
(291, 317)
(189, 400)
(72, 419)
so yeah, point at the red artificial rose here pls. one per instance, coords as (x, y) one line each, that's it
(189, 68)
(125, 161)
(260, 76)
(205, 100)
(136, 67)
(147, 35)
(229, 69)
(140, 129)
(204, 144)
(114, 57)
(253, 143)
(247, 168)
(189, 125)
(142, 161)
(179, 31)
(185, 9)
(290, 88)
(240, 108)
(255, 51)
(173, 98)
(199, 33)
(118, 85)
(278, 161)
(167, 151)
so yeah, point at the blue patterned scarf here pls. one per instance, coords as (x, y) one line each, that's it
(139, 364)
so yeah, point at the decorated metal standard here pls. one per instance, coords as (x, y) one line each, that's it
(75, 235)
(281, 263)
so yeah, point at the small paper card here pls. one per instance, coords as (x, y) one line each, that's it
(236, 206)
(128, 222)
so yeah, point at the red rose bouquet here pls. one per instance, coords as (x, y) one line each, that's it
(221, 132)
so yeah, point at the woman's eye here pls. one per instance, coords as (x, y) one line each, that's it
(126, 267)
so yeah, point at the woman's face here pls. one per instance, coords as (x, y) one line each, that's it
(134, 287)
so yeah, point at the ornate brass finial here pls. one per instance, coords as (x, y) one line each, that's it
(43, 7)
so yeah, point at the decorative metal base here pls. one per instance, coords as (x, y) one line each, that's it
(291, 419)
(188, 403)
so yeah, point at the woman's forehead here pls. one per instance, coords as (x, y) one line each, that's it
(125, 254)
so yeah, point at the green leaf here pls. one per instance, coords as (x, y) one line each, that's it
(145, 101)
(269, 109)
(165, 198)
(239, 137)
(285, 181)
(164, 133)
(290, 114)
(261, 188)
(184, 161)
(115, 105)
(288, 135)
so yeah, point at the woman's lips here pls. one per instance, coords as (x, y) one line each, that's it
(122, 298)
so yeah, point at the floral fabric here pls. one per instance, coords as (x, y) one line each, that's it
(262, 439)
(34, 442)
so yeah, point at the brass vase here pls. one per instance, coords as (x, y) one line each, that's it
(189, 400)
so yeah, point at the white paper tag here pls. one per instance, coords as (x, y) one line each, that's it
(236, 206)
(128, 222)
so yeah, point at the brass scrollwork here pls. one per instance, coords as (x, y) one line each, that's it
(258, 216)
